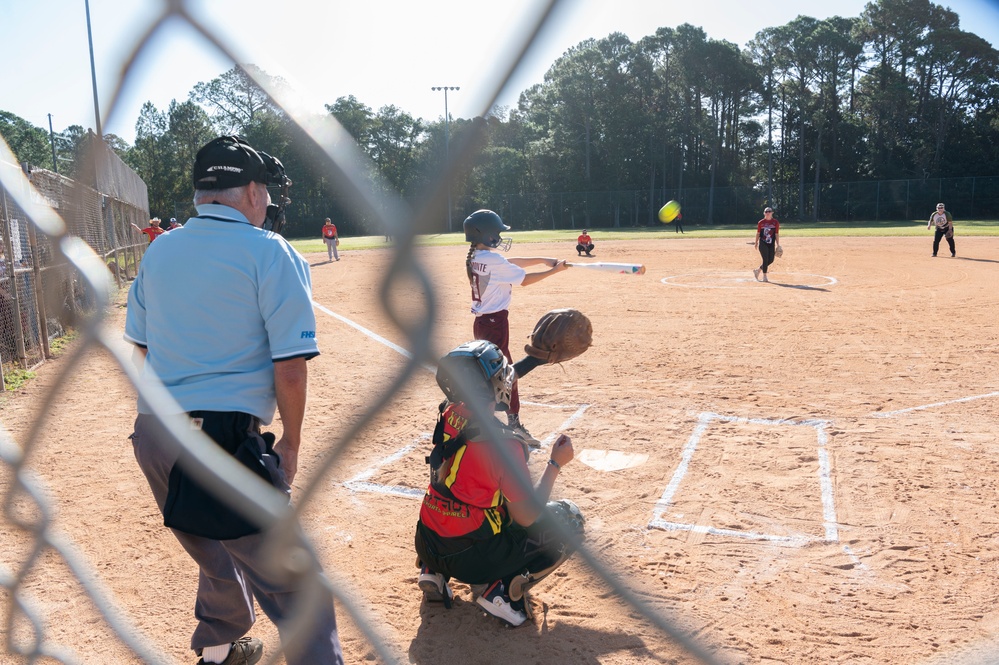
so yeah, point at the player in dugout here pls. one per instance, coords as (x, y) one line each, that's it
(153, 231)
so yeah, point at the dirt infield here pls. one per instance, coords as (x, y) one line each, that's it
(820, 483)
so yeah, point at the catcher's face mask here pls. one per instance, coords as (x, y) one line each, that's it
(477, 370)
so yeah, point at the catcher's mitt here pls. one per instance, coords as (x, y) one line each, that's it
(560, 335)
(779, 252)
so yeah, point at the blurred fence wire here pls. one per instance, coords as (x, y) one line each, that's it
(67, 247)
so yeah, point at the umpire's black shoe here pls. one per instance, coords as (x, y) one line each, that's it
(244, 651)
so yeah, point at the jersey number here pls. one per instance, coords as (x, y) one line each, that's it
(476, 293)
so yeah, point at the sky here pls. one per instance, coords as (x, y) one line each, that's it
(381, 51)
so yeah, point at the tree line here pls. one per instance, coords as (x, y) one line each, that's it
(897, 92)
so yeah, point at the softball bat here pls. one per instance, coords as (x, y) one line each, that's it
(623, 268)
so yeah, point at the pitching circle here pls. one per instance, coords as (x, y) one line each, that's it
(716, 279)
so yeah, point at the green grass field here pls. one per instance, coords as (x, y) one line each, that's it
(665, 231)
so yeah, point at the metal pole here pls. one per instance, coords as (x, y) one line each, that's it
(447, 150)
(55, 162)
(93, 73)
(447, 161)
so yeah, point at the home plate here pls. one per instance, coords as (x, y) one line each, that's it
(611, 460)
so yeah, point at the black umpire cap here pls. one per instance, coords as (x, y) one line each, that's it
(229, 161)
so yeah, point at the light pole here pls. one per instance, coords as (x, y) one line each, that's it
(93, 74)
(55, 163)
(447, 155)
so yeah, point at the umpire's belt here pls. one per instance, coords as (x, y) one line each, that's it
(226, 428)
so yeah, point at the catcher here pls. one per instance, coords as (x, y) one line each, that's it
(479, 523)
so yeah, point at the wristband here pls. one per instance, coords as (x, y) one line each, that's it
(555, 464)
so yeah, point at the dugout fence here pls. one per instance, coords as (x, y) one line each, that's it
(42, 295)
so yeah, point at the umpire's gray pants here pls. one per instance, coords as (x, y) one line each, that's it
(232, 574)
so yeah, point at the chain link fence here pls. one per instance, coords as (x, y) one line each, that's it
(67, 247)
(41, 293)
(871, 201)
(71, 242)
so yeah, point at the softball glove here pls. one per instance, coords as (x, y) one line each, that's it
(560, 335)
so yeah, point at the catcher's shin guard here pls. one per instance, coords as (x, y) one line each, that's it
(521, 584)
(569, 515)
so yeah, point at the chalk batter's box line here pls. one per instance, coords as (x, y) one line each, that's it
(360, 482)
(889, 414)
(825, 483)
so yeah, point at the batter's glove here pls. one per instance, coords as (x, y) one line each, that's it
(560, 335)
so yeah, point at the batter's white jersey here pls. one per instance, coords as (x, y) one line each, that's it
(493, 279)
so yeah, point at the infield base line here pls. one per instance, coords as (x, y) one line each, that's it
(889, 414)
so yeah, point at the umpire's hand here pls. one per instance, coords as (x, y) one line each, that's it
(289, 459)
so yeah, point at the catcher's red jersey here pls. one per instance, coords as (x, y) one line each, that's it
(477, 480)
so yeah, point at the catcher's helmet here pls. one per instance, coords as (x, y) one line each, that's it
(477, 370)
(485, 226)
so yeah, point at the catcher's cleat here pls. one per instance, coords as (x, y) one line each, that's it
(496, 602)
(435, 588)
(244, 651)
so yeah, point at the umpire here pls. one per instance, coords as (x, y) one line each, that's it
(221, 311)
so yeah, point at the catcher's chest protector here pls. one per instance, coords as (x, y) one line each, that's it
(449, 437)
(452, 433)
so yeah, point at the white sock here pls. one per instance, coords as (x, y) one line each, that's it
(216, 654)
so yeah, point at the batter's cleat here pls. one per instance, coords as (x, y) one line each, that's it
(934, 254)
(495, 601)
(521, 433)
(435, 588)
(244, 651)
(756, 274)
(953, 255)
